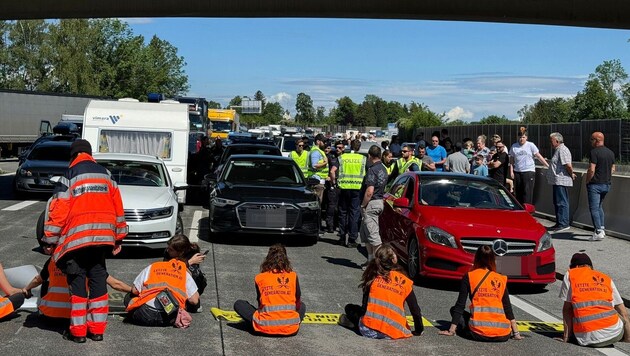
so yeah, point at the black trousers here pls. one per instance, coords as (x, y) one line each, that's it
(86, 263)
(524, 186)
(16, 301)
(246, 311)
(331, 208)
(148, 316)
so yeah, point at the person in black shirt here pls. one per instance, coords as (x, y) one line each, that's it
(332, 191)
(598, 177)
(373, 190)
(498, 166)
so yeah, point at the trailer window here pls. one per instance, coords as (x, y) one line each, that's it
(146, 143)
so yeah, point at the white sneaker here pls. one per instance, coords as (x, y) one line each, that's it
(598, 236)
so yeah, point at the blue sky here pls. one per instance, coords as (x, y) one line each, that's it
(467, 70)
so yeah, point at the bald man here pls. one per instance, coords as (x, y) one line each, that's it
(598, 178)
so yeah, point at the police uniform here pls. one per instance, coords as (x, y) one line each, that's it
(350, 177)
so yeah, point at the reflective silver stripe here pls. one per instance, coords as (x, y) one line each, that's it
(52, 229)
(120, 219)
(91, 226)
(98, 304)
(4, 303)
(89, 176)
(78, 320)
(277, 322)
(592, 303)
(388, 321)
(51, 304)
(97, 317)
(490, 324)
(597, 316)
(61, 290)
(164, 285)
(122, 230)
(90, 188)
(82, 241)
(386, 305)
(273, 308)
(77, 306)
(488, 310)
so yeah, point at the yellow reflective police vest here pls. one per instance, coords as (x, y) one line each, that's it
(321, 172)
(351, 171)
(403, 165)
(301, 160)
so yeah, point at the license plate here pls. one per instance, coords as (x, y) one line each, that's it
(275, 218)
(509, 265)
(43, 182)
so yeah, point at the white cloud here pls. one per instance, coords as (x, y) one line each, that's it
(283, 98)
(458, 113)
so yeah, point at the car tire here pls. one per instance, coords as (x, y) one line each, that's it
(311, 240)
(17, 193)
(39, 229)
(413, 259)
(179, 226)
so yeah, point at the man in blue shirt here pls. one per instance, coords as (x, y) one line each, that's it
(437, 153)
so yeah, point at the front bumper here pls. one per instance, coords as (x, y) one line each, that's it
(151, 233)
(297, 221)
(33, 184)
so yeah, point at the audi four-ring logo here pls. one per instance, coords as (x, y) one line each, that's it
(500, 247)
(268, 207)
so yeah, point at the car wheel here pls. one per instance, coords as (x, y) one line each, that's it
(16, 193)
(39, 229)
(413, 259)
(179, 226)
(312, 239)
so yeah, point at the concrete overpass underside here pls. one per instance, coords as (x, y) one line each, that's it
(585, 13)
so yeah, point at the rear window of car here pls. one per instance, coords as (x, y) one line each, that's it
(48, 153)
(463, 193)
(262, 172)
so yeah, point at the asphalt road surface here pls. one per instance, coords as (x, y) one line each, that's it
(329, 277)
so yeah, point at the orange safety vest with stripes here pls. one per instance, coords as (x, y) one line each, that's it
(277, 311)
(385, 311)
(591, 297)
(170, 275)
(6, 307)
(486, 308)
(85, 210)
(56, 302)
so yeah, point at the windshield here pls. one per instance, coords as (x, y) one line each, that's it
(463, 193)
(221, 126)
(259, 172)
(144, 174)
(59, 153)
(195, 120)
(289, 145)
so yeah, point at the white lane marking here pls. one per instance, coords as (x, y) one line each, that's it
(611, 352)
(194, 227)
(7, 174)
(533, 311)
(19, 329)
(21, 205)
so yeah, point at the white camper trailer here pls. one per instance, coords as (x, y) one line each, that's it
(129, 126)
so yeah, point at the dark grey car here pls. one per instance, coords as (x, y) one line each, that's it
(46, 160)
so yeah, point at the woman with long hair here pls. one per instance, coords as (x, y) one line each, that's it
(385, 290)
(280, 309)
(491, 317)
(193, 256)
(523, 167)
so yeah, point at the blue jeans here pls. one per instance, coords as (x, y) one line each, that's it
(596, 194)
(561, 204)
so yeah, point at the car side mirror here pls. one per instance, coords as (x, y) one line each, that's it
(312, 181)
(530, 208)
(402, 203)
(179, 186)
(210, 178)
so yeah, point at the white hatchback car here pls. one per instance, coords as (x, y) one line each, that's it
(148, 195)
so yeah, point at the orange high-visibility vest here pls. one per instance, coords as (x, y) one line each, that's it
(385, 309)
(171, 275)
(277, 312)
(486, 308)
(56, 302)
(591, 297)
(6, 307)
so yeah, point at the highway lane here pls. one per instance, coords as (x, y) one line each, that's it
(329, 277)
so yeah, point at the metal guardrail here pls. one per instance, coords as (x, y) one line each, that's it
(615, 203)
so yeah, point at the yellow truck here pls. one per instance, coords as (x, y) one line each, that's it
(223, 122)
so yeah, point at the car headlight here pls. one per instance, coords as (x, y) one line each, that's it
(160, 213)
(313, 205)
(545, 242)
(24, 172)
(223, 202)
(440, 237)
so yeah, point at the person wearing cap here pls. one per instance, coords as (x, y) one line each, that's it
(593, 311)
(85, 221)
(318, 165)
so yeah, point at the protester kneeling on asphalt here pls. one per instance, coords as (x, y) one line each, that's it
(593, 312)
(385, 290)
(12, 298)
(162, 290)
(491, 317)
(280, 309)
(193, 258)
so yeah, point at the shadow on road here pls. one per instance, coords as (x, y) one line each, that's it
(341, 262)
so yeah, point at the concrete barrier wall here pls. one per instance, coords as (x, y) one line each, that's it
(616, 203)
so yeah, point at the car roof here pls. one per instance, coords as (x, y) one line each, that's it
(260, 157)
(261, 145)
(53, 144)
(467, 176)
(127, 157)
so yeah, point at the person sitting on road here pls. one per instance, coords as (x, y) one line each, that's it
(385, 290)
(593, 312)
(168, 280)
(194, 257)
(12, 298)
(491, 317)
(280, 308)
(54, 301)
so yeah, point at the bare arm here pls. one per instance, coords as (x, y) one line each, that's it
(623, 312)
(118, 285)
(368, 196)
(194, 300)
(542, 159)
(511, 167)
(567, 320)
(34, 283)
(590, 172)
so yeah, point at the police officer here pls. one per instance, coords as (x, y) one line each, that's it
(350, 177)
(318, 165)
(332, 190)
(405, 163)
(86, 221)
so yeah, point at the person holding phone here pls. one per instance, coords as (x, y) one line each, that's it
(194, 258)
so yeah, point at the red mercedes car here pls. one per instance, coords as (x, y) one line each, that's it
(436, 222)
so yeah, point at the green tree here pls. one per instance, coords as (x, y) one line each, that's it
(345, 112)
(261, 97)
(236, 101)
(213, 105)
(420, 116)
(304, 109)
(28, 54)
(494, 119)
(395, 111)
(366, 115)
(320, 115)
(546, 111)
(272, 113)
(592, 102)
